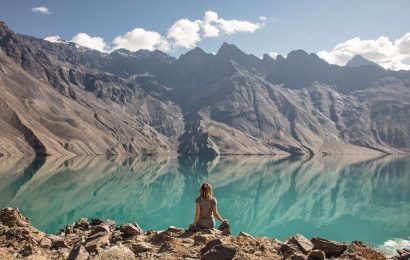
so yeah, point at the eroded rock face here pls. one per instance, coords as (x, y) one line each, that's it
(329, 247)
(11, 217)
(98, 240)
(230, 103)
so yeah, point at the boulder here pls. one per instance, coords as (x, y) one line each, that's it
(316, 255)
(103, 222)
(220, 252)
(203, 239)
(246, 235)
(99, 229)
(141, 247)
(45, 242)
(115, 252)
(288, 249)
(131, 229)
(57, 242)
(11, 217)
(78, 253)
(69, 229)
(302, 243)
(329, 247)
(224, 226)
(173, 229)
(82, 223)
(211, 244)
(404, 253)
(96, 241)
(165, 247)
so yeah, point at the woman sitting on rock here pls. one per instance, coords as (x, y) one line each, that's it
(206, 209)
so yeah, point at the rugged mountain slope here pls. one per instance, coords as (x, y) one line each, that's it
(55, 106)
(359, 60)
(60, 98)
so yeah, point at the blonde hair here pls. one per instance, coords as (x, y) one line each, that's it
(206, 191)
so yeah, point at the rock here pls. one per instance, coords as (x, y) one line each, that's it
(78, 253)
(116, 236)
(227, 232)
(45, 242)
(11, 217)
(141, 247)
(97, 240)
(316, 255)
(192, 228)
(404, 253)
(165, 247)
(103, 222)
(131, 229)
(63, 252)
(115, 252)
(27, 250)
(3, 229)
(99, 229)
(69, 229)
(57, 242)
(246, 235)
(223, 251)
(302, 243)
(297, 256)
(203, 239)
(329, 247)
(211, 244)
(173, 229)
(82, 223)
(224, 226)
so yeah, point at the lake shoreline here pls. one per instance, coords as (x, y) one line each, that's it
(103, 239)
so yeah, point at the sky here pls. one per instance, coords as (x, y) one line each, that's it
(335, 30)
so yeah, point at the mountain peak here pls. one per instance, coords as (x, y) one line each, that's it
(229, 50)
(359, 60)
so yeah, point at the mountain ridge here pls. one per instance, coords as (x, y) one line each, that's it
(147, 102)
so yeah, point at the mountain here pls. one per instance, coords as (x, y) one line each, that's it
(61, 98)
(359, 60)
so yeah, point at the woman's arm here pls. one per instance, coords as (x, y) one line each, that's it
(197, 212)
(216, 214)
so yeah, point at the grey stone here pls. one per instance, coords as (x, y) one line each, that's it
(141, 247)
(329, 247)
(131, 229)
(302, 243)
(78, 253)
(316, 255)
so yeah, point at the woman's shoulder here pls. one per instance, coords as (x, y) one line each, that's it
(214, 200)
(198, 199)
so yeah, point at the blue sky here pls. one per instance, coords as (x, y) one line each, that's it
(315, 26)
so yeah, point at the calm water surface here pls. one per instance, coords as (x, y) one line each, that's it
(341, 198)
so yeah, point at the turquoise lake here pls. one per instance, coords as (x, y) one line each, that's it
(342, 198)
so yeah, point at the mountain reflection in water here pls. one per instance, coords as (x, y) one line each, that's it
(342, 198)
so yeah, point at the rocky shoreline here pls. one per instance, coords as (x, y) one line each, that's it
(102, 239)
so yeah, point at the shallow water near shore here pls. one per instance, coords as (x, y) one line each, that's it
(342, 198)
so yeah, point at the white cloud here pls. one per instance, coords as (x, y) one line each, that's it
(96, 43)
(40, 10)
(387, 53)
(54, 39)
(139, 38)
(212, 25)
(263, 18)
(184, 33)
(273, 54)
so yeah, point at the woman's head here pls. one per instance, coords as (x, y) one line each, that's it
(206, 190)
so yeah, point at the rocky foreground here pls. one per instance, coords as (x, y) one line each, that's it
(102, 239)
